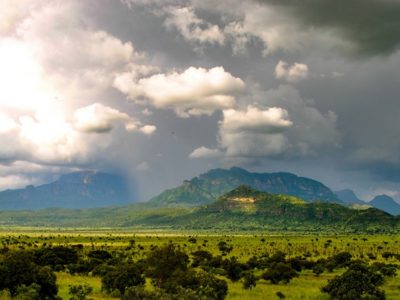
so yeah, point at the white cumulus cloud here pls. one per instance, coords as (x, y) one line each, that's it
(204, 152)
(100, 118)
(196, 91)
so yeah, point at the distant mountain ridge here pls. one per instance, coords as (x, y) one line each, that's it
(207, 187)
(382, 202)
(83, 189)
(242, 209)
(386, 203)
(349, 197)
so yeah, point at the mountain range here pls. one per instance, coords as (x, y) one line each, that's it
(207, 187)
(382, 202)
(386, 203)
(349, 197)
(242, 209)
(74, 190)
(250, 209)
(232, 200)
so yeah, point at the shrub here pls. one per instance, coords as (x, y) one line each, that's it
(18, 271)
(279, 272)
(224, 247)
(249, 280)
(233, 268)
(56, 256)
(359, 282)
(101, 255)
(79, 292)
(201, 258)
(121, 278)
(162, 262)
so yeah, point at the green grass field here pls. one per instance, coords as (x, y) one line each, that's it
(306, 286)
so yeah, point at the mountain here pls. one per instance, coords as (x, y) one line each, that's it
(386, 203)
(74, 190)
(242, 209)
(207, 187)
(245, 208)
(348, 196)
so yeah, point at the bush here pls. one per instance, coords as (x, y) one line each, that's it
(279, 272)
(79, 292)
(318, 269)
(101, 255)
(341, 259)
(389, 270)
(56, 256)
(201, 258)
(189, 286)
(162, 262)
(233, 268)
(19, 274)
(139, 293)
(359, 282)
(249, 280)
(121, 278)
(224, 247)
(28, 292)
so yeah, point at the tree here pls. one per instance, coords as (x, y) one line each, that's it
(318, 269)
(249, 280)
(359, 282)
(79, 292)
(56, 257)
(280, 295)
(100, 255)
(200, 258)
(341, 259)
(163, 262)
(233, 268)
(121, 278)
(279, 272)
(18, 270)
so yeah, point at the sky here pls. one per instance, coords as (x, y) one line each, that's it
(161, 91)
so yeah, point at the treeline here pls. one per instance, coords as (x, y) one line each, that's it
(176, 274)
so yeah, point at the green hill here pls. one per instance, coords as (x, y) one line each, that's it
(247, 209)
(242, 209)
(207, 187)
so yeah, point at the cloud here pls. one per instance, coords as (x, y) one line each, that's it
(255, 120)
(196, 91)
(20, 174)
(204, 152)
(313, 131)
(148, 129)
(99, 118)
(191, 27)
(296, 129)
(293, 73)
(254, 132)
(376, 32)
(53, 91)
(291, 26)
(250, 133)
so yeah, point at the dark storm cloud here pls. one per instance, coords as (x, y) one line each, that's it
(373, 26)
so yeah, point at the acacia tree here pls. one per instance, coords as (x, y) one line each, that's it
(122, 277)
(279, 272)
(359, 282)
(18, 270)
(163, 262)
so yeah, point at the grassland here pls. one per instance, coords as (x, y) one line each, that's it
(244, 246)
